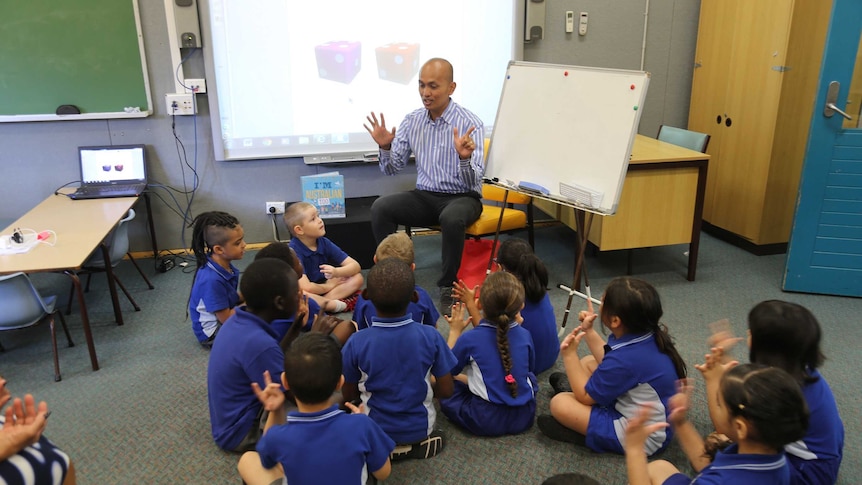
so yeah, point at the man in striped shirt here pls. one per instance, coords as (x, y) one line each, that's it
(447, 141)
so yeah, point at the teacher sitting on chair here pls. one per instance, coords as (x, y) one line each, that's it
(447, 141)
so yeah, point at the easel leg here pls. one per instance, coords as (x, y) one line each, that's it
(583, 223)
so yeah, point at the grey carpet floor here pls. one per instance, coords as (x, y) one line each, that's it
(143, 417)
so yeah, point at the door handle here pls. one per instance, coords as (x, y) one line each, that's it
(831, 97)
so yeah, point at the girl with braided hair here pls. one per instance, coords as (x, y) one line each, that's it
(637, 366)
(217, 239)
(496, 393)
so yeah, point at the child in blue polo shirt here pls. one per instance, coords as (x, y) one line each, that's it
(496, 393)
(760, 408)
(398, 364)
(398, 245)
(638, 365)
(308, 313)
(332, 278)
(247, 347)
(319, 443)
(217, 240)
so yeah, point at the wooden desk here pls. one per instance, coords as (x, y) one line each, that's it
(81, 226)
(661, 202)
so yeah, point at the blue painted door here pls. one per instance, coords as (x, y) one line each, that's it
(825, 251)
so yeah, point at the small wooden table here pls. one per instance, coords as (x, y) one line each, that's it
(81, 226)
(661, 202)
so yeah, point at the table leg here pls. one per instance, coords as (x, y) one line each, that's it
(85, 318)
(112, 285)
(152, 227)
(697, 221)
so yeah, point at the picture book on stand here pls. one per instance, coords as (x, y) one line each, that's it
(326, 192)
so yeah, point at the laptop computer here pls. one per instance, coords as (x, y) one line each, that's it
(111, 171)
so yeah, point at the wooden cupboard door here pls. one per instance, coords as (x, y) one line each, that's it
(709, 81)
(754, 81)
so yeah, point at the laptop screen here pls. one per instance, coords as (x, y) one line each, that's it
(113, 164)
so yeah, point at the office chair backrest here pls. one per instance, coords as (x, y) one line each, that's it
(684, 138)
(20, 302)
(117, 242)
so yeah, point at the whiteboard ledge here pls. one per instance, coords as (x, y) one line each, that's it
(85, 116)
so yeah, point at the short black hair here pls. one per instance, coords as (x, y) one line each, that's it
(268, 278)
(312, 367)
(390, 286)
(280, 250)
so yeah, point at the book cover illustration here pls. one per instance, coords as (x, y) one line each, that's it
(326, 192)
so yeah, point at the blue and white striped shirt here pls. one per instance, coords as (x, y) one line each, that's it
(438, 165)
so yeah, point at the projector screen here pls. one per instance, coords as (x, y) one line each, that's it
(291, 78)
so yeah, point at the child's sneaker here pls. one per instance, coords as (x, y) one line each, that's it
(350, 301)
(559, 382)
(430, 446)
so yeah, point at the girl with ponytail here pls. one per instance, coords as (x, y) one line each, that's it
(495, 387)
(637, 367)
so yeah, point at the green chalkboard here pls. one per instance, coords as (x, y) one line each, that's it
(86, 53)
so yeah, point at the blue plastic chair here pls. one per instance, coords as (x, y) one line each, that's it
(22, 306)
(692, 140)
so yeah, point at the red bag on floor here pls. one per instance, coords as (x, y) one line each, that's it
(474, 261)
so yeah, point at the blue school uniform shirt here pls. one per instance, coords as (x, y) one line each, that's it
(392, 363)
(214, 289)
(634, 373)
(424, 311)
(246, 347)
(540, 321)
(816, 457)
(327, 446)
(730, 466)
(327, 253)
(281, 326)
(479, 359)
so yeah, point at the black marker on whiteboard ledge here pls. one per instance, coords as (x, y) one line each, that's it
(532, 188)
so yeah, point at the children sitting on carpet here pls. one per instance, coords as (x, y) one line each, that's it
(638, 365)
(217, 240)
(760, 408)
(496, 393)
(318, 443)
(398, 364)
(398, 245)
(309, 312)
(787, 335)
(332, 278)
(516, 256)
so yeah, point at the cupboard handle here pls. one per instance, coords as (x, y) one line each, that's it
(728, 122)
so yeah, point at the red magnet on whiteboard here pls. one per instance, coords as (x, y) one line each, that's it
(565, 73)
(633, 87)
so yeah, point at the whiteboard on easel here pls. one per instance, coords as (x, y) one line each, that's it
(567, 130)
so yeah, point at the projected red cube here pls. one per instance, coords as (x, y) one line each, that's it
(339, 61)
(397, 62)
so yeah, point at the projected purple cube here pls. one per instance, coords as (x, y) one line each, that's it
(339, 60)
(397, 62)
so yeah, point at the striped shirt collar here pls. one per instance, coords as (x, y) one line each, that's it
(299, 417)
(446, 116)
(486, 323)
(628, 339)
(391, 322)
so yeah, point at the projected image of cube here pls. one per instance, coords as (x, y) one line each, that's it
(397, 62)
(339, 61)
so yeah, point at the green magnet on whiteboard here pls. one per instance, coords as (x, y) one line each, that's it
(635, 108)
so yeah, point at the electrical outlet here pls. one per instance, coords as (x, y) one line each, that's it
(180, 104)
(196, 86)
(275, 207)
